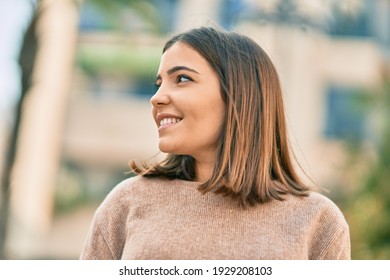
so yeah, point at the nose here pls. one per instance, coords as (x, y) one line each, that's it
(160, 98)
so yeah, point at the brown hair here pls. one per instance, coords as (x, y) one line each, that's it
(253, 162)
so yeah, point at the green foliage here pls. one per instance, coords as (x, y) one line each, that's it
(367, 204)
(124, 60)
(70, 191)
(78, 186)
(146, 9)
(118, 60)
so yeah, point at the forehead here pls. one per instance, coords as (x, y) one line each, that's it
(182, 54)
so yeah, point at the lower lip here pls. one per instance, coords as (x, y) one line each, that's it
(166, 126)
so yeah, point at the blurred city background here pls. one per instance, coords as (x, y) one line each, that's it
(76, 78)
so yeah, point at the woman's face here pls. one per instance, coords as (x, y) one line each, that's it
(187, 107)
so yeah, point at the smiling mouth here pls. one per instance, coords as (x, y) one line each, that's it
(168, 122)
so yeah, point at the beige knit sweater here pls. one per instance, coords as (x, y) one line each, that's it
(145, 218)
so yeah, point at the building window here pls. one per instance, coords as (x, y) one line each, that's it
(229, 12)
(355, 23)
(345, 114)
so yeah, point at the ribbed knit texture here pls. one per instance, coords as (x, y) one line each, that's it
(145, 218)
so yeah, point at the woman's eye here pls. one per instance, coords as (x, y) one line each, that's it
(183, 79)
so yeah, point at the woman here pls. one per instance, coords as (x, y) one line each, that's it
(227, 189)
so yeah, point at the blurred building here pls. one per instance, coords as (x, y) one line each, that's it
(327, 53)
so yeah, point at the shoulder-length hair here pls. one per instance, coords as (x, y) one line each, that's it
(253, 162)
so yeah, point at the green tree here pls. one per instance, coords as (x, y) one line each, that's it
(145, 9)
(367, 204)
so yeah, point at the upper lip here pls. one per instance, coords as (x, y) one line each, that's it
(161, 116)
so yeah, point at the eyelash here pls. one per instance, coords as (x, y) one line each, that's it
(178, 78)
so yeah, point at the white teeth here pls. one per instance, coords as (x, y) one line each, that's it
(169, 121)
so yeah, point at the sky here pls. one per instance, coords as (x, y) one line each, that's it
(14, 19)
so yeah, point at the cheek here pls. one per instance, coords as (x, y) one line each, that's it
(211, 122)
(154, 113)
(220, 118)
(219, 123)
(219, 114)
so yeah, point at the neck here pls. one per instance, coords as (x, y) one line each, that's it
(203, 170)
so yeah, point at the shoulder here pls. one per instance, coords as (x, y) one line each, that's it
(134, 190)
(328, 211)
(320, 200)
(316, 208)
(128, 190)
(134, 184)
(112, 213)
(329, 232)
(129, 184)
(107, 235)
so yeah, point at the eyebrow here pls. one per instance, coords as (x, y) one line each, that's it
(178, 68)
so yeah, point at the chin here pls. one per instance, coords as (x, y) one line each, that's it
(166, 149)
(172, 147)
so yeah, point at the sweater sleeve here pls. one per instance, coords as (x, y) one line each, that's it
(96, 246)
(339, 248)
(331, 240)
(107, 235)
